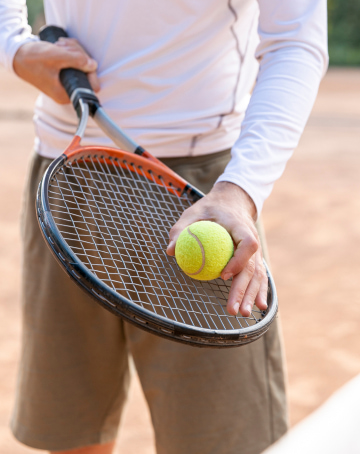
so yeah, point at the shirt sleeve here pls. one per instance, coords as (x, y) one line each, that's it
(14, 30)
(293, 58)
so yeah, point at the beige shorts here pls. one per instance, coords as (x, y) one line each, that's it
(74, 372)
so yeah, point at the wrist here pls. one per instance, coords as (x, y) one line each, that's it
(236, 193)
(20, 60)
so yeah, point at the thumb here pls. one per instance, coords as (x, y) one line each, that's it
(184, 221)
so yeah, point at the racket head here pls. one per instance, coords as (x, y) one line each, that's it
(105, 214)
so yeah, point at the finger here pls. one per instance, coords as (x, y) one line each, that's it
(239, 286)
(73, 45)
(79, 60)
(188, 217)
(70, 54)
(175, 232)
(65, 42)
(94, 81)
(257, 283)
(246, 248)
(261, 298)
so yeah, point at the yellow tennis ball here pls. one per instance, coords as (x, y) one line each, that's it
(203, 249)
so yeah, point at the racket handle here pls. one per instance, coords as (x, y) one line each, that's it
(51, 33)
(75, 82)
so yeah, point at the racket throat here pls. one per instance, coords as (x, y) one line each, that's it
(84, 117)
(85, 108)
(86, 97)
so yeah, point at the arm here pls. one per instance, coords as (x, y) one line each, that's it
(293, 58)
(14, 30)
(37, 62)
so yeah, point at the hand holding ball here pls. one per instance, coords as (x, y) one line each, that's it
(203, 249)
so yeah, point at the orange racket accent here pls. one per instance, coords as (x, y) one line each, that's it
(152, 169)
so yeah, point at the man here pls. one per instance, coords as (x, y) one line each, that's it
(176, 75)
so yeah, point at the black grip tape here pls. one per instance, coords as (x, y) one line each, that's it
(70, 78)
(51, 33)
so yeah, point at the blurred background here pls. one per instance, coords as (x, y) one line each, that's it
(344, 32)
(312, 221)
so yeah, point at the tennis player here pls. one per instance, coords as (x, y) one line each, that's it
(177, 76)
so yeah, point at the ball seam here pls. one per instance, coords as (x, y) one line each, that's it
(202, 253)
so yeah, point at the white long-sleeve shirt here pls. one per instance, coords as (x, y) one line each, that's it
(176, 75)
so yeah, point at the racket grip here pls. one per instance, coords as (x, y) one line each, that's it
(75, 82)
(51, 33)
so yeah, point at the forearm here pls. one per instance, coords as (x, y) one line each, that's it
(291, 68)
(14, 30)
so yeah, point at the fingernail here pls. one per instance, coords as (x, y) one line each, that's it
(248, 308)
(264, 302)
(236, 308)
(91, 65)
(227, 276)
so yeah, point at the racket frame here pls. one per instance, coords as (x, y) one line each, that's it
(87, 104)
(106, 296)
(132, 312)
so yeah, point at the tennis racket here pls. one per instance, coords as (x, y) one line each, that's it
(106, 213)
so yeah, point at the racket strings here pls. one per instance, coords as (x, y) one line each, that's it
(157, 206)
(117, 221)
(164, 292)
(160, 294)
(131, 238)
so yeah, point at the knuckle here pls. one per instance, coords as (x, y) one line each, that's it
(253, 244)
(65, 42)
(240, 293)
(250, 267)
(81, 57)
(72, 41)
(260, 274)
(249, 299)
(61, 41)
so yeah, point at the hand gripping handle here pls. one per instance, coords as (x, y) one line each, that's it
(74, 81)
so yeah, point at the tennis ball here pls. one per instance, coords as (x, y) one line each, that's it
(203, 249)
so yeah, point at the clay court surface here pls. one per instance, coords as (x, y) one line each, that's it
(313, 227)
